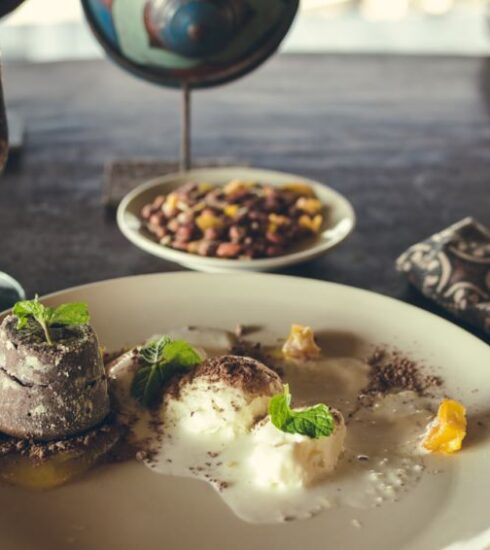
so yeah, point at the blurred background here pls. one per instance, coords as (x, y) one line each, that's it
(35, 32)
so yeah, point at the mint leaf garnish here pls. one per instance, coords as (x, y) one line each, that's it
(70, 314)
(314, 422)
(46, 317)
(158, 361)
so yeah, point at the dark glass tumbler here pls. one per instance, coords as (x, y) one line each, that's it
(10, 289)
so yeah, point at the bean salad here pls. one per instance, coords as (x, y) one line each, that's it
(241, 219)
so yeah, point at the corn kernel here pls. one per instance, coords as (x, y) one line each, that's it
(310, 206)
(199, 206)
(170, 203)
(208, 221)
(447, 431)
(231, 210)
(312, 224)
(300, 343)
(299, 188)
(204, 187)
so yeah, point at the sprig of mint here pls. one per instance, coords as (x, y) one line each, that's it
(158, 361)
(314, 422)
(47, 317)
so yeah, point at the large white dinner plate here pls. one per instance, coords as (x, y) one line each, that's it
(339, 222)
(127, 507)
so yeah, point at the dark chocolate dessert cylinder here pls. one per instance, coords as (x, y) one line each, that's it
(50, 391)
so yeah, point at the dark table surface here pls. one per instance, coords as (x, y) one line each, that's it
(406, 139)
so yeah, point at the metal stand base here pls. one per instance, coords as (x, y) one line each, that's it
(122, 176)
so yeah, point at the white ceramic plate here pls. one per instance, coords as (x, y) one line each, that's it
(339, 223)
(127, 507)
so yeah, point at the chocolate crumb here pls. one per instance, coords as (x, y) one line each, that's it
(391, 372)
(222, 485)
(141, 455)
(107, 434)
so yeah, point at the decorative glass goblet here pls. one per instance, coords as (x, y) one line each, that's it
(190, 44)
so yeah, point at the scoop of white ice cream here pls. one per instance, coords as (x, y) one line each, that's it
(224, 396)
(283, 460)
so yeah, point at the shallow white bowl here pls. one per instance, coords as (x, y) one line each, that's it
(339, 223)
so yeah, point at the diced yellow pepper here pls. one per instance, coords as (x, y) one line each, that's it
(208, 221)
(234, 186)
(310, 206)
(300, 344)
(278, 219)
(312, 224)
(299, 188)
(204, 187)
(448, 429)
(231, 210)
(199, 206)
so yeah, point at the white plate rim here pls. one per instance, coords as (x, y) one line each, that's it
(450, 325)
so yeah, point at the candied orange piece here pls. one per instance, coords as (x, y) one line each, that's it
(447, 431)
(301, 343)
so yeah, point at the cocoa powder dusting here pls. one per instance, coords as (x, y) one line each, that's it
(392, 372)
(245, 373)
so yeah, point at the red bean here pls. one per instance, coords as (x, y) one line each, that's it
(213, 233)
(173, 225)
(207, 248)
(228, 250)
(147, 211)
(185, 217)
(274, 251)
(184, 233)
(157, 219)
(275, 238)
(160, 232)
(158, 201)
(237, 233)
(179, 245)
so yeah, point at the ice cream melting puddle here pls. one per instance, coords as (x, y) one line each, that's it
(381, 460)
